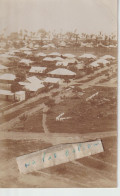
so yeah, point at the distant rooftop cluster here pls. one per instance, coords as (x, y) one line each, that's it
(49, 39)
(32, 63)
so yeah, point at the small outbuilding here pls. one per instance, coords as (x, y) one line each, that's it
(20, 95)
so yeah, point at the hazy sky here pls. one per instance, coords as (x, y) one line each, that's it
(87, 16)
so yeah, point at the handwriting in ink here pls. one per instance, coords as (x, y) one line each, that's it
(49, 158)
(33, 162)
(27, 164)
(67, 153)
(79, 147)
(55, 155)
(96, 144)
(89, 145)
(73, 150)
(43, 159)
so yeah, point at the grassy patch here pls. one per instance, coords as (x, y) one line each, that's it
(98, 114)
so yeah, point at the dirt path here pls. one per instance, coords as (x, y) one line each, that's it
(55, 138)
(27, 102)
(92, 82)
(44, 119)
(13, 123)
(111, 83)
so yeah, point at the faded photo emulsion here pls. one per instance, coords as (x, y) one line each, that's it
(58, 93)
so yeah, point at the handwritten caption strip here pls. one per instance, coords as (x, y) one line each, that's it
(56, 155)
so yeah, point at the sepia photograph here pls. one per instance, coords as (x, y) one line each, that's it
(58, 93)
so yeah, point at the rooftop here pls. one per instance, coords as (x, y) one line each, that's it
(108, 57)
(6, 92)
(34, 79)
(91, 56)
(98, 62)
(3, 67)
(26, 61)
(54, 54)
(23, 83)
(19, 92)
(25, 49)
(58, 59)
(34, 86)
(40, 54)
(52, 80)
(8, 76)
(27, 52)
(63, 63)
(68, 55)
(103, 61)
(62, 71)
(37, 69)
(48, 59)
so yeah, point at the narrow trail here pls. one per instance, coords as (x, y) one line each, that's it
(13, 122)
(44, 119)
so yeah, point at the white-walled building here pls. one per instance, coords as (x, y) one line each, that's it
(20, 95)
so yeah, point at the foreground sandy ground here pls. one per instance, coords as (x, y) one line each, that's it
(93, 171)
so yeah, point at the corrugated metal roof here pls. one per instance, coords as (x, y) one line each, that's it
(91, 56)
(6, 92)
(62, 71)
(48, 46)
(34, 79)
(8, 77)
(103, 61)
(52, 80)
(28, 52)
(19, 92)
(71, 60)
(6, 55)
(26, 61)
(3, 67)
(34, 86)
(94, 64)
(23, 83)
(37, 69)
(25, 49)
(98, 62)
(48, 59)
(58, 59)
(68, 55)
(63, 63)
(40, 54)
(108, 57)
(54, 54)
